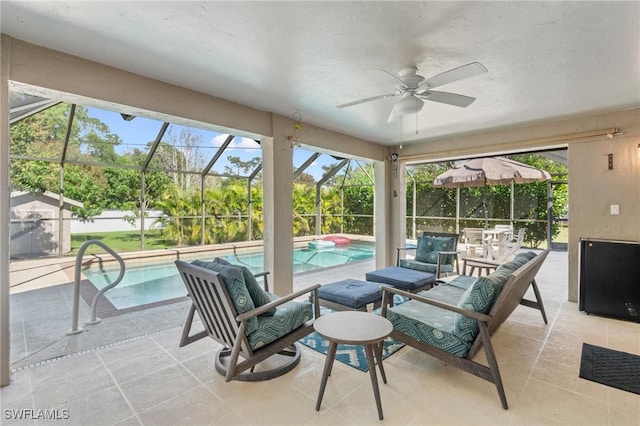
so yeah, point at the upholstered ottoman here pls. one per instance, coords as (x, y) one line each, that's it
(403, 278)
(350, 295)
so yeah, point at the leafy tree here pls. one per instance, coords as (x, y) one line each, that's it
(305, 177)
(530, 207)
(241, 168)
(303, 209)
(181, 152)
(358, 202)
(180, 219)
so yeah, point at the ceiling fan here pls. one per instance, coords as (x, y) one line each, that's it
(415, 89)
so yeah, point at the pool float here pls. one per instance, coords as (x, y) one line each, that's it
(320, 244)
(337, 239)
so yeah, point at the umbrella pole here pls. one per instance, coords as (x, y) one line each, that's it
(484, 206)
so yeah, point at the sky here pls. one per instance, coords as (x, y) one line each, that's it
(139, 131)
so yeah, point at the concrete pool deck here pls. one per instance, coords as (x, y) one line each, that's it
(41, 307)
(135, 373)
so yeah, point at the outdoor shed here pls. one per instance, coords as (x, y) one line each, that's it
(35, 225)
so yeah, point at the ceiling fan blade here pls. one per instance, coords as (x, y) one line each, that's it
(393, 115)
(361, 101)
(393, 75)
(460, 73)
(447, 98)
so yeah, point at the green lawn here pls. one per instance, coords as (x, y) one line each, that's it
(122, 241)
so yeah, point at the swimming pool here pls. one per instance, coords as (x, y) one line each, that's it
(158, 282)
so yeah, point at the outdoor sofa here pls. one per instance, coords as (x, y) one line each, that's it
(453, 320)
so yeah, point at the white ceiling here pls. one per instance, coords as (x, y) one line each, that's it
(544, 59)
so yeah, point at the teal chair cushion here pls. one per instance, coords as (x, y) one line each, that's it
(462, 281)
(499, 277)
(233, 280)
(258, 295)
(288, 317)
(519, 260)
(479, 298)
(428, 324)
(429, 247)
(424, 267)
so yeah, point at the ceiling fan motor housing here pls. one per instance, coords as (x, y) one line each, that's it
(410, 77)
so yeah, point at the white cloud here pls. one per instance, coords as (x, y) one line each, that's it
(218, 140)
(244, 143)
(236, 143)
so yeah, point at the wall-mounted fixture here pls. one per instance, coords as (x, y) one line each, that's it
(297, 127)
(610, 161)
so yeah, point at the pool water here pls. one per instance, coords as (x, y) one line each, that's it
(151, 283)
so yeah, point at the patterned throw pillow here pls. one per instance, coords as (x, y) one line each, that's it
(429, 247)
(258, 295)
(479, 298)
(233, 280)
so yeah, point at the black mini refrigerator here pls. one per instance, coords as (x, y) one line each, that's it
(610, 278)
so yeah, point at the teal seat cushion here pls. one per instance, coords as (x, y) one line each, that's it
(258, 295)
(444, 293)
(479, 298)
(424, 267)
(462, 281)
(233, 279)
(428, 324)
(429, 247)
(288, 317)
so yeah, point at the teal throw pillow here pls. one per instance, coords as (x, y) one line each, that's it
(429, 247)
(258, 295)
(233, 279)
(499, 277)
(479, 298)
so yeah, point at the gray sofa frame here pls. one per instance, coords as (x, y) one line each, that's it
(509, 298)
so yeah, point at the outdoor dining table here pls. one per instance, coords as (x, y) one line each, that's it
(494, 240)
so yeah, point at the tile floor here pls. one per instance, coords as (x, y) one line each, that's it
(149, 380)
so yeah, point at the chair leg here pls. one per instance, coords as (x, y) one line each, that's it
(493, 364)
(536, 291)
(538, 303)
(186, 329)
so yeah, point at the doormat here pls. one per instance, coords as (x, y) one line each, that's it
(352, 355)
(609, 367)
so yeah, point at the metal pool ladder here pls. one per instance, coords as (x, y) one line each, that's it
(76, 289)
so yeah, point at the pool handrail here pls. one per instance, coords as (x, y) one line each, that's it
(76, 286)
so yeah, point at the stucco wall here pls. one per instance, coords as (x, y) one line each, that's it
(593, 188)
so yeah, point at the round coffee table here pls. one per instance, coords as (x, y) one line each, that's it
(354, 328)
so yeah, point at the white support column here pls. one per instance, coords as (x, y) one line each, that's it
(277, 160)
(389, 211)
(5, 203)
(399, 208)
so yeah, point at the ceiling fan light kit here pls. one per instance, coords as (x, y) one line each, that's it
(408, 105)
(415, 89)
